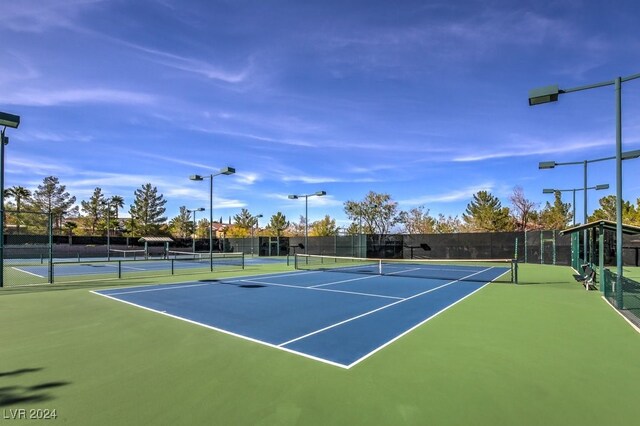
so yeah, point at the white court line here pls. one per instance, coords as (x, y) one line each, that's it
(323, 289)
(27, 272)
(271, 345)
(147, 290)
(378, 309)
(344, 281)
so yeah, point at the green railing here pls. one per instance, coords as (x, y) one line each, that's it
(626, 299)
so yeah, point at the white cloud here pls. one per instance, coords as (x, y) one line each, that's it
(34, 97)
(448, 197)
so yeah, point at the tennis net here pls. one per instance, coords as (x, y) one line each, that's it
(206, 258)
(128, 253)
(480, 270)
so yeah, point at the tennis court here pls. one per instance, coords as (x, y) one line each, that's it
(336, 317)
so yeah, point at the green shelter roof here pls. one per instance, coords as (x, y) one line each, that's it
(606, 224)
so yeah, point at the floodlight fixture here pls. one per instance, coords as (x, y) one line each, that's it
(12, 121)
(547, 165)
(548, 191)
(543, 95)
(306, 213)
(9, 120)
(599, 187)
(223, 171)
(629, 155)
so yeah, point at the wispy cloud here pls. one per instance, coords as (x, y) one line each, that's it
(531, 146)
(447, 197)
(44, 97)
(42, 15)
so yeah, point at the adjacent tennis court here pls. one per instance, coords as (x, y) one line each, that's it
(335, 317)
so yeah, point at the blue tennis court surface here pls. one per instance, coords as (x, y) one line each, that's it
(335, 317)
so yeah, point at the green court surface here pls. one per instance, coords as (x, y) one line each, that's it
(543, 352)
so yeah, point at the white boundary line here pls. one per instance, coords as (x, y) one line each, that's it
(635, 327)
(27, 272)
(326, 361)
(280, 346)
(323, 289)
(376, 310)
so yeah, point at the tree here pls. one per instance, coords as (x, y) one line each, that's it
(417, 221)
(51, 197)
(202, 230)
(147, 210)
(523, 210)
(485, 213)
(20, 194)
(181, 226)
(297, 229)
(244, 223)
(93, 209)
(277, 225)
(556, 216)
(117, 202)
(324, 227)
(447, 225)
(607, 210)
(376, 212)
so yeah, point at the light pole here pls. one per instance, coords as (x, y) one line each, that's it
(195, 225)
(550, 94)
(553, 164)
(257, 228)
(223, 171)
(13, 121)
(553, 191)
(306, 214)
(107, 204)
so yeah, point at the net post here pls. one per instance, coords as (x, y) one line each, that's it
(295, 261)
(379, 266)
(50, 247)
(119, 269)
(514, 271)
(243, 259)
(172, 260)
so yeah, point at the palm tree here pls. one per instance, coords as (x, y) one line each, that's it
(117, 202)
(19, 193)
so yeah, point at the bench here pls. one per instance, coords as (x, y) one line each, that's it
(587, 278)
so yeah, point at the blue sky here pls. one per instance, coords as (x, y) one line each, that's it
(423, 100)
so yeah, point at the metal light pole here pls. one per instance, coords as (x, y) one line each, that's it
(306, 214)
(195, 226)
(13, 121)
(550, 94)
(223, 171)
(257, 228)
(597, 188)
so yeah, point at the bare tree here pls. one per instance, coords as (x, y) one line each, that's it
(523, 210)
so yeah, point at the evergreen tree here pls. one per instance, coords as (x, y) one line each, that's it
(181, 226)
(51, 197)
(277, 225)
(147, 210)
(556, 216)
(93, 209)
(485, 213)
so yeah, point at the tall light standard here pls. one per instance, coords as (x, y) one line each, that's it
(306, 214)
(553, 164)
(553, 191)
(107, 204)
(195, 226)
(255, 218)
(550, 94)
(223, 171)
(13, 121)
